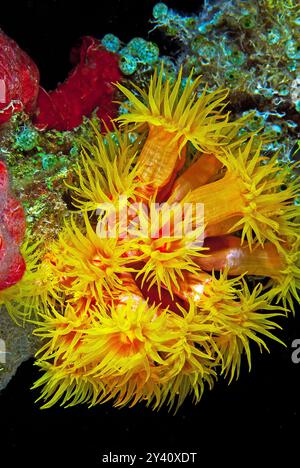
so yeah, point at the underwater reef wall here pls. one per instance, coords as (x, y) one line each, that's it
(130, 319)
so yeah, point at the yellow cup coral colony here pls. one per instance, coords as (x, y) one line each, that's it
(142, 309)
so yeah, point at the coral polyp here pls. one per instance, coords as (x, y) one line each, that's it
(175, 116)
(255, 198)
(137, 308)
(110, 174)
(128, 352)
(88, 263)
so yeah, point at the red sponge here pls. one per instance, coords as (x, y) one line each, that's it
(12, 230)
(19, 79)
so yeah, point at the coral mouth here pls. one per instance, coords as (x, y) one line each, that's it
(160, 298)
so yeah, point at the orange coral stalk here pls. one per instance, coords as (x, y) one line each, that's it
(130, 292)
(158, 157)
(227, 252)
(222, 200)
(256, 190)
(281, 265)
(221, 228)
(199, 173)
(193, 286)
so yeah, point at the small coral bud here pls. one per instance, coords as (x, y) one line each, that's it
(137, 45)
(150, 53)
(48, 160)
(160, 10)
(248, 22)
(237, 57)
(27, 139)
(273, 36)
(292, 49)
(127, 64)
(111, 42)
(232, 76)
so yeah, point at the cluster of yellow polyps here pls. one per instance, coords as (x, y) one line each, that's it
(131, 318)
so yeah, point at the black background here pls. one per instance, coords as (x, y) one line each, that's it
(47, 29)
(252, 419)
